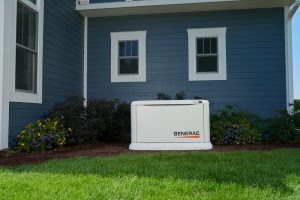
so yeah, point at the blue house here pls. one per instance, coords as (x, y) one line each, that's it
(228, 51)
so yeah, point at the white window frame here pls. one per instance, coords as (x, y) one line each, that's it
(193, 35)
(116, 37)
(26, 97)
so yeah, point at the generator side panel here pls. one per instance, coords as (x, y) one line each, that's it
(170, 124)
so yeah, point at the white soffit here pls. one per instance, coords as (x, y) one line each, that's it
(141, 7)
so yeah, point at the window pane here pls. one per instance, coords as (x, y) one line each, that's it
(26, 70)
(33, 1)
(128, 48)
(200, 46)
(207, 64)
(26, 26)
(207, 46)
(214, 45)
(122, 49)
(128, 66)
(29, 28)
(135, 48)
(19, 23)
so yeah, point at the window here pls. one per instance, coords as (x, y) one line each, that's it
(28, 58)
(207, 54)
(128, 56)
(26, 51)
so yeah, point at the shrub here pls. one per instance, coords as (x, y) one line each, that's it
(122, 122)
(297, 114)
(230, 126)
(163, 96)
(297, 105)
(199, 98)
(99, 118)
(282, 128)
(180, 95)
(108, 121)
(100, 121)
(44, 135)
(74, 114)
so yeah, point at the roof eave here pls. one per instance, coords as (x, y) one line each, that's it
(166, 6)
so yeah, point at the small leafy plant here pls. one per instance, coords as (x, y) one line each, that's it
(199, 98)
(230, 126)
(180, 95)
(163, 96)
(44, 135)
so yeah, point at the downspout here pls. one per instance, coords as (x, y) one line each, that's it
(289, 13)
(85, 63)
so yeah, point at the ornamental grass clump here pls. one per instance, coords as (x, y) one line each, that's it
(44, 135)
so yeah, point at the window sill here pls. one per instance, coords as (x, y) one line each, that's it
(24, 97)
(128, 78)
(208, 77)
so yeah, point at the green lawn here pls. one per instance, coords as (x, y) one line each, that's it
(198, 175)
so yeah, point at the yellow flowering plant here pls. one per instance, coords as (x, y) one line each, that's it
(44, 135)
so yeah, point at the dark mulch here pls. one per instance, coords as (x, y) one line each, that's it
(10, 158)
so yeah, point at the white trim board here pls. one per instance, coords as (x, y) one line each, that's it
(140, 36)
(5, 74)
(8, 13)
(289, 57)
(193, 35)
(172, 6)
(3, 137)
(18, 96)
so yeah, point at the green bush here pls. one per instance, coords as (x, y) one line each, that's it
(108, 121)
(163, 96)
(297, 105)
(230, 126)
(99, 118)
(180, 95)
(44, 135)
(100, 121)
(122, 122)
(282, 128)
(297, 113)
(74, 114)
(199, 98)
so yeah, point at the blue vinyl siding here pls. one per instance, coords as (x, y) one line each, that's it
(62, 63)
(255, 58)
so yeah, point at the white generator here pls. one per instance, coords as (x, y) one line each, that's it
(170, 125)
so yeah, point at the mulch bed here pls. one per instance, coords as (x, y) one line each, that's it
(9, 158)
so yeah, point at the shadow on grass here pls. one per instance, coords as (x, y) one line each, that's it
(249, 169)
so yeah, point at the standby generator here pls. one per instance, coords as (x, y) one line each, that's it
(170, 125)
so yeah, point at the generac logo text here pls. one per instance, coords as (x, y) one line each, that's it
(187, 134)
